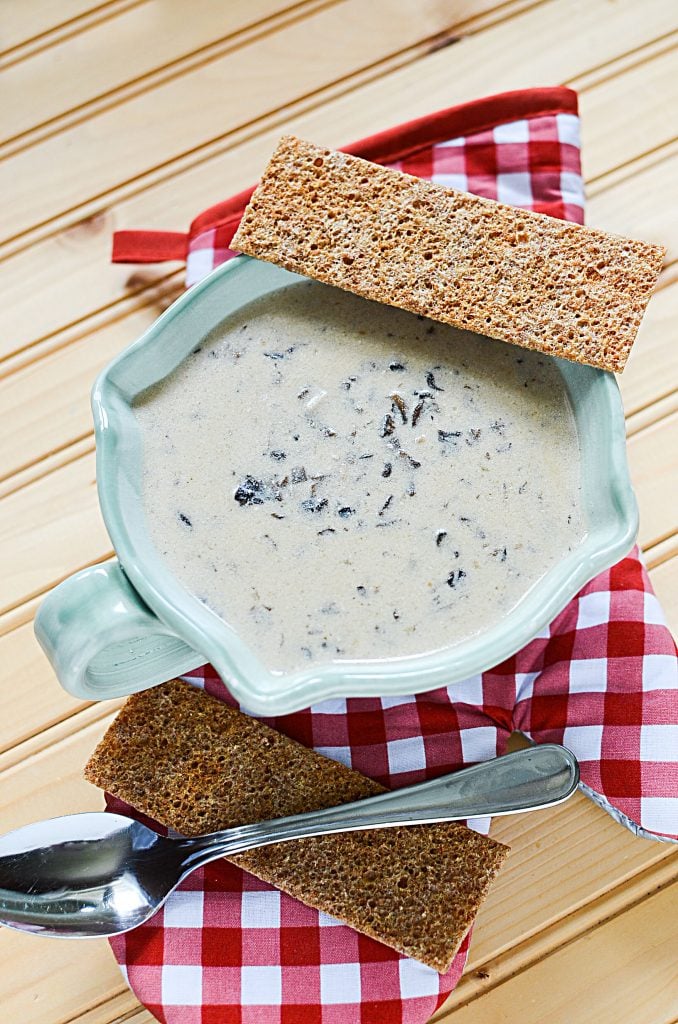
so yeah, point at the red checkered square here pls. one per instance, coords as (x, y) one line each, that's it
(603, 679)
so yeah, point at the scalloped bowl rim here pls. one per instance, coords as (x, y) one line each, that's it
(257, 688)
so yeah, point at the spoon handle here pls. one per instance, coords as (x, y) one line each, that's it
(524, 781)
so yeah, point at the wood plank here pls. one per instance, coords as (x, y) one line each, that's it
(31, 699)
(152, 37)
(652, 370)
(56, 175)
(25, 21)
(619, 109)
(639, 206)
(652, 460)
(623, 971)
(158, 42)
(665, 582)
(476, 983)
(71, 270)
(48, 528)
(63, 381)
(560, 859)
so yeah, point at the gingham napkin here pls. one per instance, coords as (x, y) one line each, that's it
(602, 679)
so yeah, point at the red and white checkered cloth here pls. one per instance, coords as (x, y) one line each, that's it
(602, 679)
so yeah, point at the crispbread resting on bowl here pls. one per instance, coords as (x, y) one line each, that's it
(197, 765)
(514, 275)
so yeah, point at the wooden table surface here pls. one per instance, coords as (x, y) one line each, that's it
(140, 113)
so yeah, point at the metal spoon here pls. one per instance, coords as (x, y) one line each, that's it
(88, 875)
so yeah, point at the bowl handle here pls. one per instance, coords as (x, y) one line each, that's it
(103, 641)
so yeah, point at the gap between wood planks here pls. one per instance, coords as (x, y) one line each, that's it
(209, 148)
(40, 36)
(78, 26)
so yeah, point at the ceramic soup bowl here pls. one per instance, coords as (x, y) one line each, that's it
(126, 625)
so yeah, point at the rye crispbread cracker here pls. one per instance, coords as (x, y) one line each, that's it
(482, 266)
(197, 765)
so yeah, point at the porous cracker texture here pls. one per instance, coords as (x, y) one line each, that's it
(479, 265)
(196, 765)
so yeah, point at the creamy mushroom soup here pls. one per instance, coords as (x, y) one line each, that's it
(338, 479)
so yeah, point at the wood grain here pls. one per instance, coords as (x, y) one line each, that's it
(623, 971)
(22, 22)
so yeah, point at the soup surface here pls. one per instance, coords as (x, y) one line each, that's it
(338, 479)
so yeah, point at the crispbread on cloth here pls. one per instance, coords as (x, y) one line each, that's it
(197, 765)
(510, 274)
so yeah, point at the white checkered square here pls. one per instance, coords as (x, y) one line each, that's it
(525, 684)
(479, 744)
(199, 263)
(458, 181)
(341, 754)
(585, 741)
(515, 188)
(481, 825)
(260, 986)
(181, 985)
(588, 675)
(326, 921)
(451, 144)
(659, 743)
(260, 909)
(652, 611)
(396, 702)
(514, 131)
(544, 633)
(660, 814)
(660, 672)
(333, 706)
(339, 983)
(468, 691)
(416, 979)
(184, 910)
(568, 129)
(196, 681)
(593, 609)
(406, 755)
(572, 188)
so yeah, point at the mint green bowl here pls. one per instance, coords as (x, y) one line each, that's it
(127, 625)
